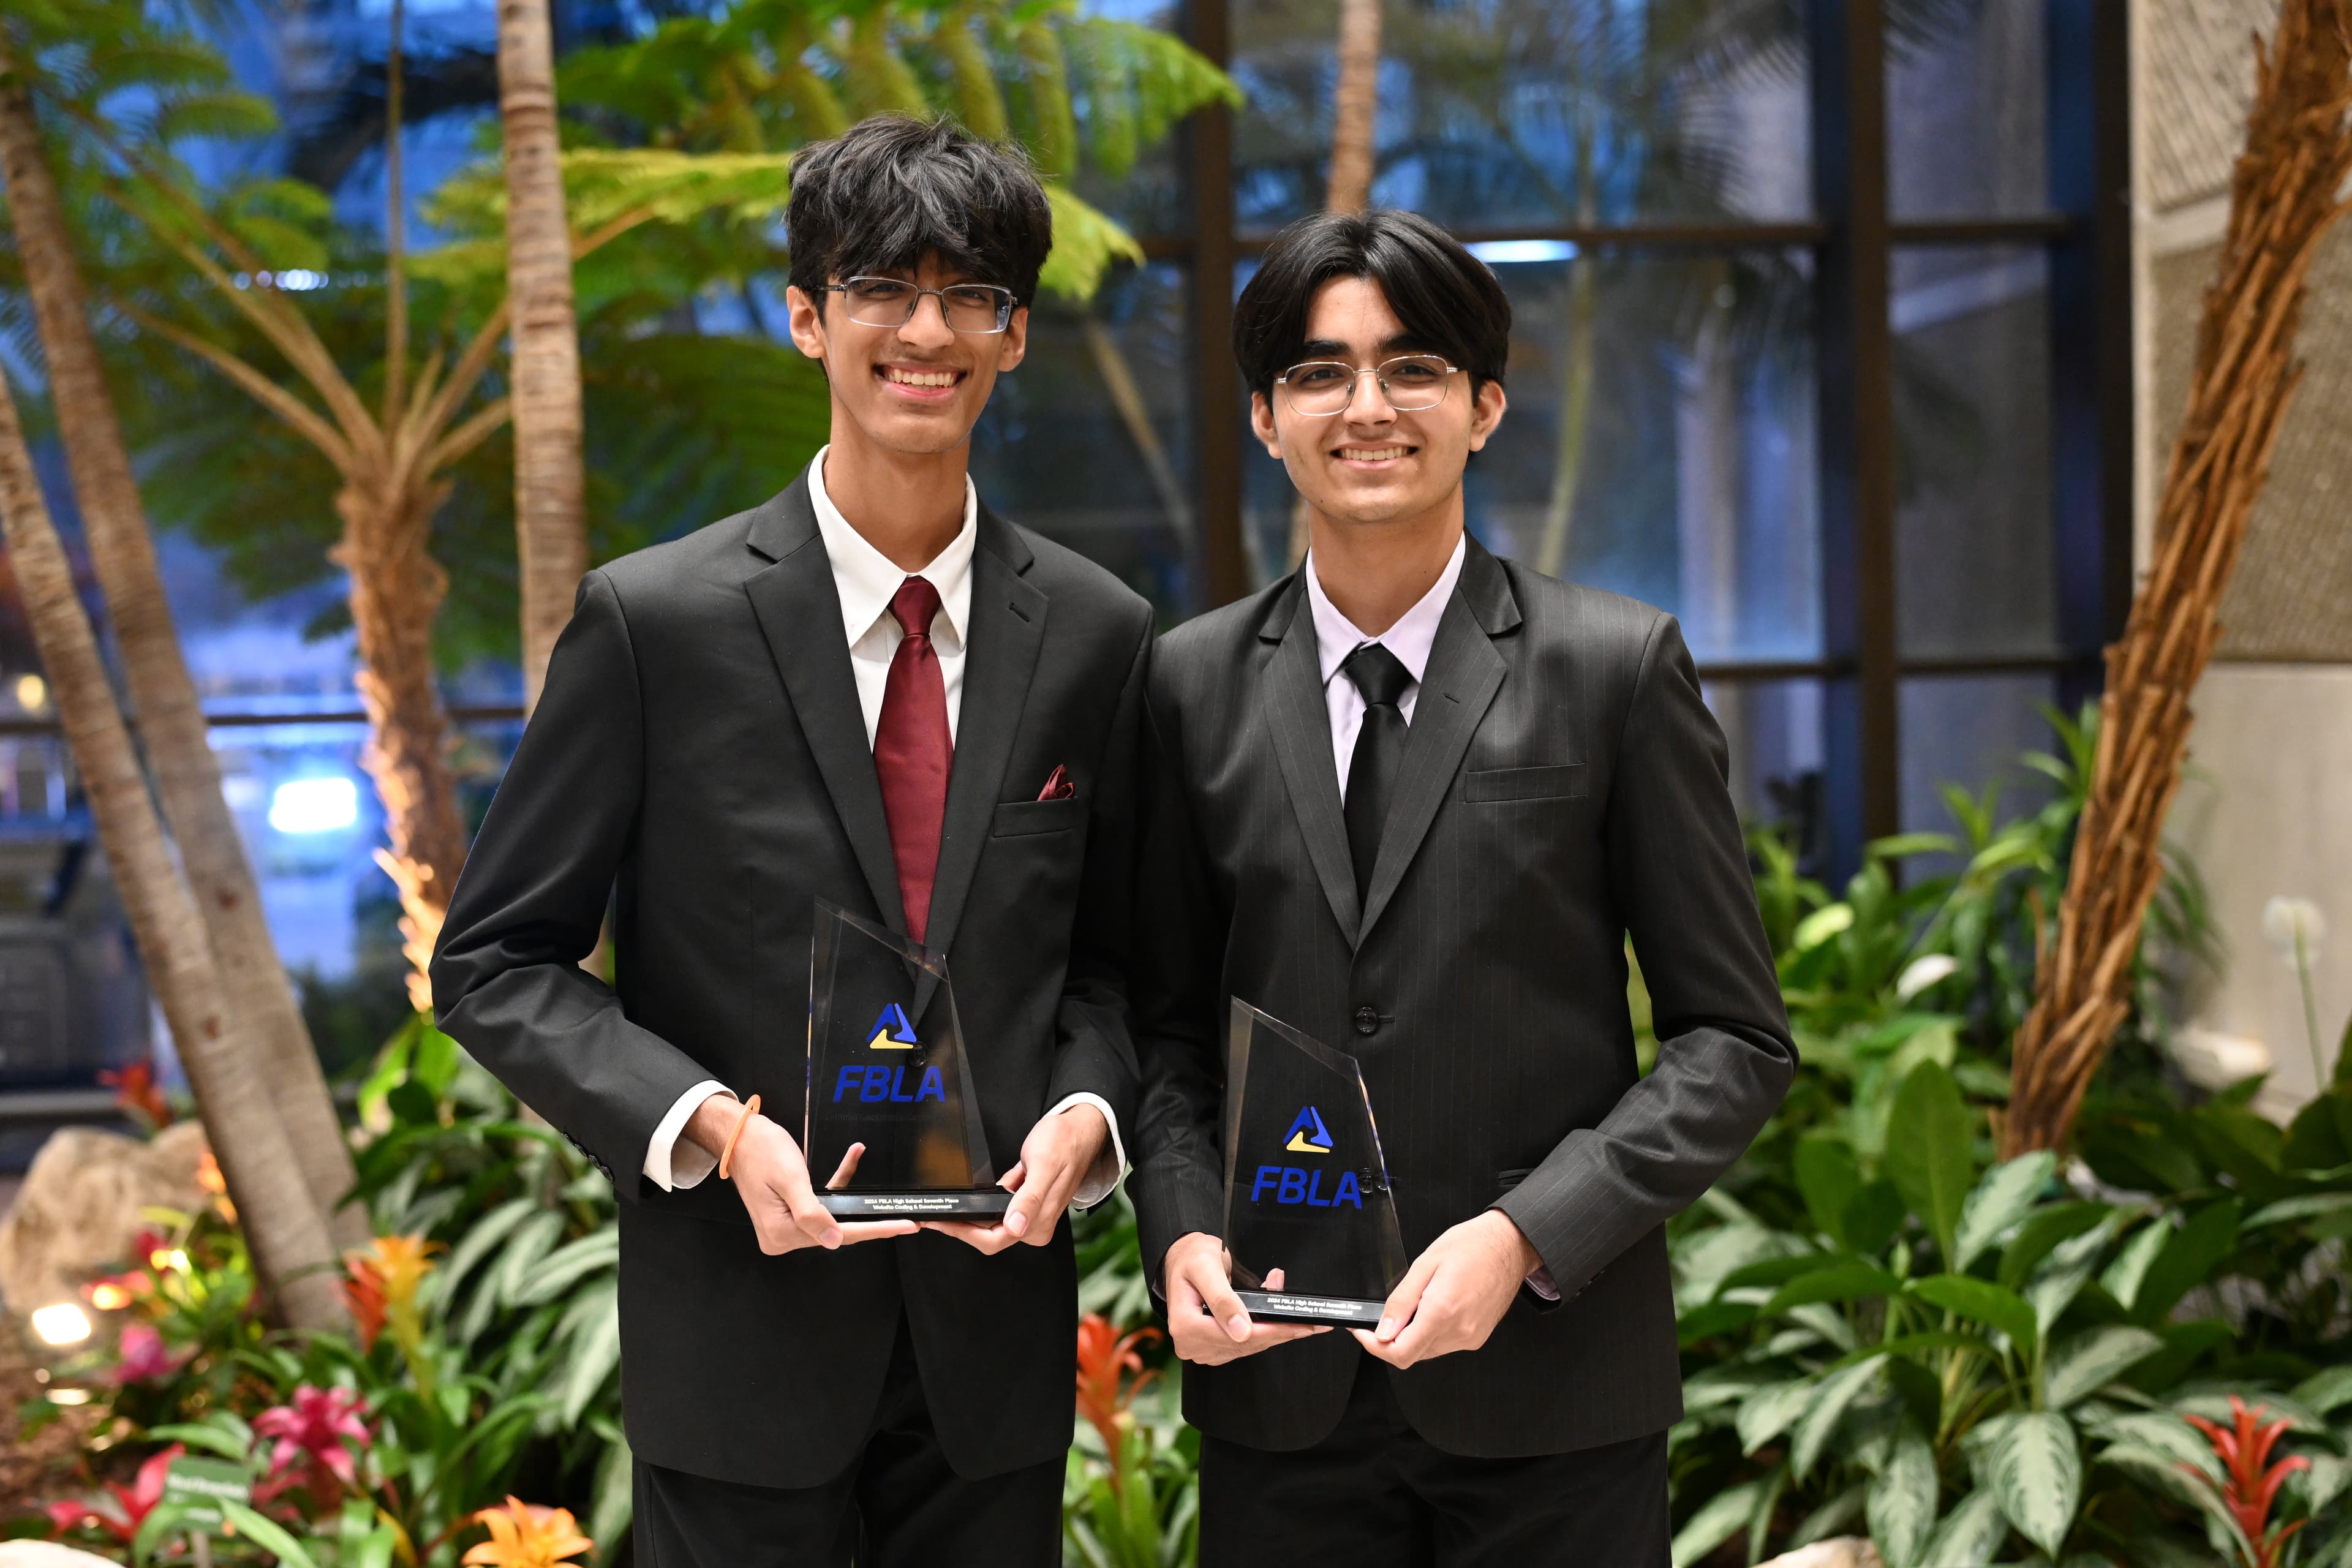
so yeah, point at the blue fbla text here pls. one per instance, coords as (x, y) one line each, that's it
(1289, 1185)
(877, 1083)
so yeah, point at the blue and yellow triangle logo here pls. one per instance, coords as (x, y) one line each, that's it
(1309, 1135)
(891, 1031)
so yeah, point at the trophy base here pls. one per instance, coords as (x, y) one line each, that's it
(1283, 1307)
(983, 1203)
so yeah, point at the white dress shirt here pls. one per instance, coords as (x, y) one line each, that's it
(1336, 637)
(866, 580)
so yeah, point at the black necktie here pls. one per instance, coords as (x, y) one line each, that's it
(1384, 679)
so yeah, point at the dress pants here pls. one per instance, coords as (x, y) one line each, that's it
(898, 1505)
(1373, 1494)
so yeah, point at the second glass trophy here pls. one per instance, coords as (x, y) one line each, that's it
(1308, 1216)
(886, 1068)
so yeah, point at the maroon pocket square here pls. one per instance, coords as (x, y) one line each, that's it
(1059, 786)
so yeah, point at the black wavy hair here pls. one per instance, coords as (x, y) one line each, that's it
(890, 190)
(1447, 298)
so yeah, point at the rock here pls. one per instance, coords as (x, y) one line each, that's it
(1844, 1552)
(46, 1554)
(79, 1211)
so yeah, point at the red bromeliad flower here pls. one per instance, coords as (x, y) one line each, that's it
(2251, 1489)
(1105, 1356)
(136, 1090)
(310, 1452)
(135, 1502)
(141, 1356)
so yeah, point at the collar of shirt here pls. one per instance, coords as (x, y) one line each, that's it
(866, 579)
(1415, 634)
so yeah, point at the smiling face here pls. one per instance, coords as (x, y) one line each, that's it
(916, 389)
(1370, 464)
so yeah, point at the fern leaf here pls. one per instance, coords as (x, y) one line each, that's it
(1086, 241)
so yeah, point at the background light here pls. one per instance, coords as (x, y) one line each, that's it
(1502, 252)
(61, 1324)
(32, 693)
(314, 805)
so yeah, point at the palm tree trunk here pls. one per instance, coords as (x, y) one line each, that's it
(292, 1252)
(1352, 104)
(395, 591)
(551, 523)
(171, 723)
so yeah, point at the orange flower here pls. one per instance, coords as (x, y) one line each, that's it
(136, 1091)
(524, 1535)
(209, 1177)
(383, 1285)
(1104, 1355)
(364, 1294)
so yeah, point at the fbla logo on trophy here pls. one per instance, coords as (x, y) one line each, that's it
(891, 1032)
(1290, 1185)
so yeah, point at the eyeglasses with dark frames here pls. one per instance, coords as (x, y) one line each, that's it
(892, 302)
(1317, 389)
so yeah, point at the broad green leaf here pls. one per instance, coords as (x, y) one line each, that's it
(594, 1353)
(1839, 1283)
(2123, 1278)
(1837, 1392)
(2045, 1231)
(1827, 1177)
(478, 1243)
(2004, 1196)
(1981, 1301)
(2187, 1260)
(609, 1514)
(2064, 1274)
(2090, 1360)
(1969, 1536)
(211, 1439)
(1772, 1410)
(1902, 1506)
(268, 1534)
(568, 1265)
(1822, 924)
(1873, 1216)
(2303, 1207)
(1928, 1155)
(1722, 1516)
(2037, 1475)
(2325, 1390)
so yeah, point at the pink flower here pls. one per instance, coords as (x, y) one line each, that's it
(132, 1503)
(312, 1431)
(142, 1356)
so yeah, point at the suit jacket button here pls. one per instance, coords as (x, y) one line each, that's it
(1366, 1021)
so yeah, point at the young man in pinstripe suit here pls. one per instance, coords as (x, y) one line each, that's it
(1412, 799)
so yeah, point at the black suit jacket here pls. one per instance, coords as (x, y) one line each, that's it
(1562, 786)
(699, 743)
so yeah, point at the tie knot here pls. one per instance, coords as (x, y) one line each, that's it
(1379, 674)
(914, 605)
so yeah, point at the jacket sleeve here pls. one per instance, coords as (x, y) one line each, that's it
(1094, 1050)
(1179, 1182)
(1678, 870)
(507, 981)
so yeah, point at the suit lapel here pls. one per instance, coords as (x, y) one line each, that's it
(1462, 678)
(1008, 625)
(1299, 724)
(799, 612)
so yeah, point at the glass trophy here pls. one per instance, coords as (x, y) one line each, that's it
(886, 1068)
(1307, 1189)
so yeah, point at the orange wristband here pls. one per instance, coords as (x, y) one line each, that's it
(727, 1155)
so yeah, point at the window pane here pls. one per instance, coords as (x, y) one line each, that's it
(1969, 731)
(1535, 112)
(1659, 443)
(1966, 110)
(1773, 729)
(1973, 553)
(1090, 441)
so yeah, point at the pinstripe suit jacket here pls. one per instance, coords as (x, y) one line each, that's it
(1563, 786)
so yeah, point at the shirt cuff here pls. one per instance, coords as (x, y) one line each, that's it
(671, 1164)
(1543, 1284)
(1109, 1165)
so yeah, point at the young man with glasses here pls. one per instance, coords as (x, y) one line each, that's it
(873, 691)
(1412, 800)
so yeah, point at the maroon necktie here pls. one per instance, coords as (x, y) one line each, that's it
(912, 751)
